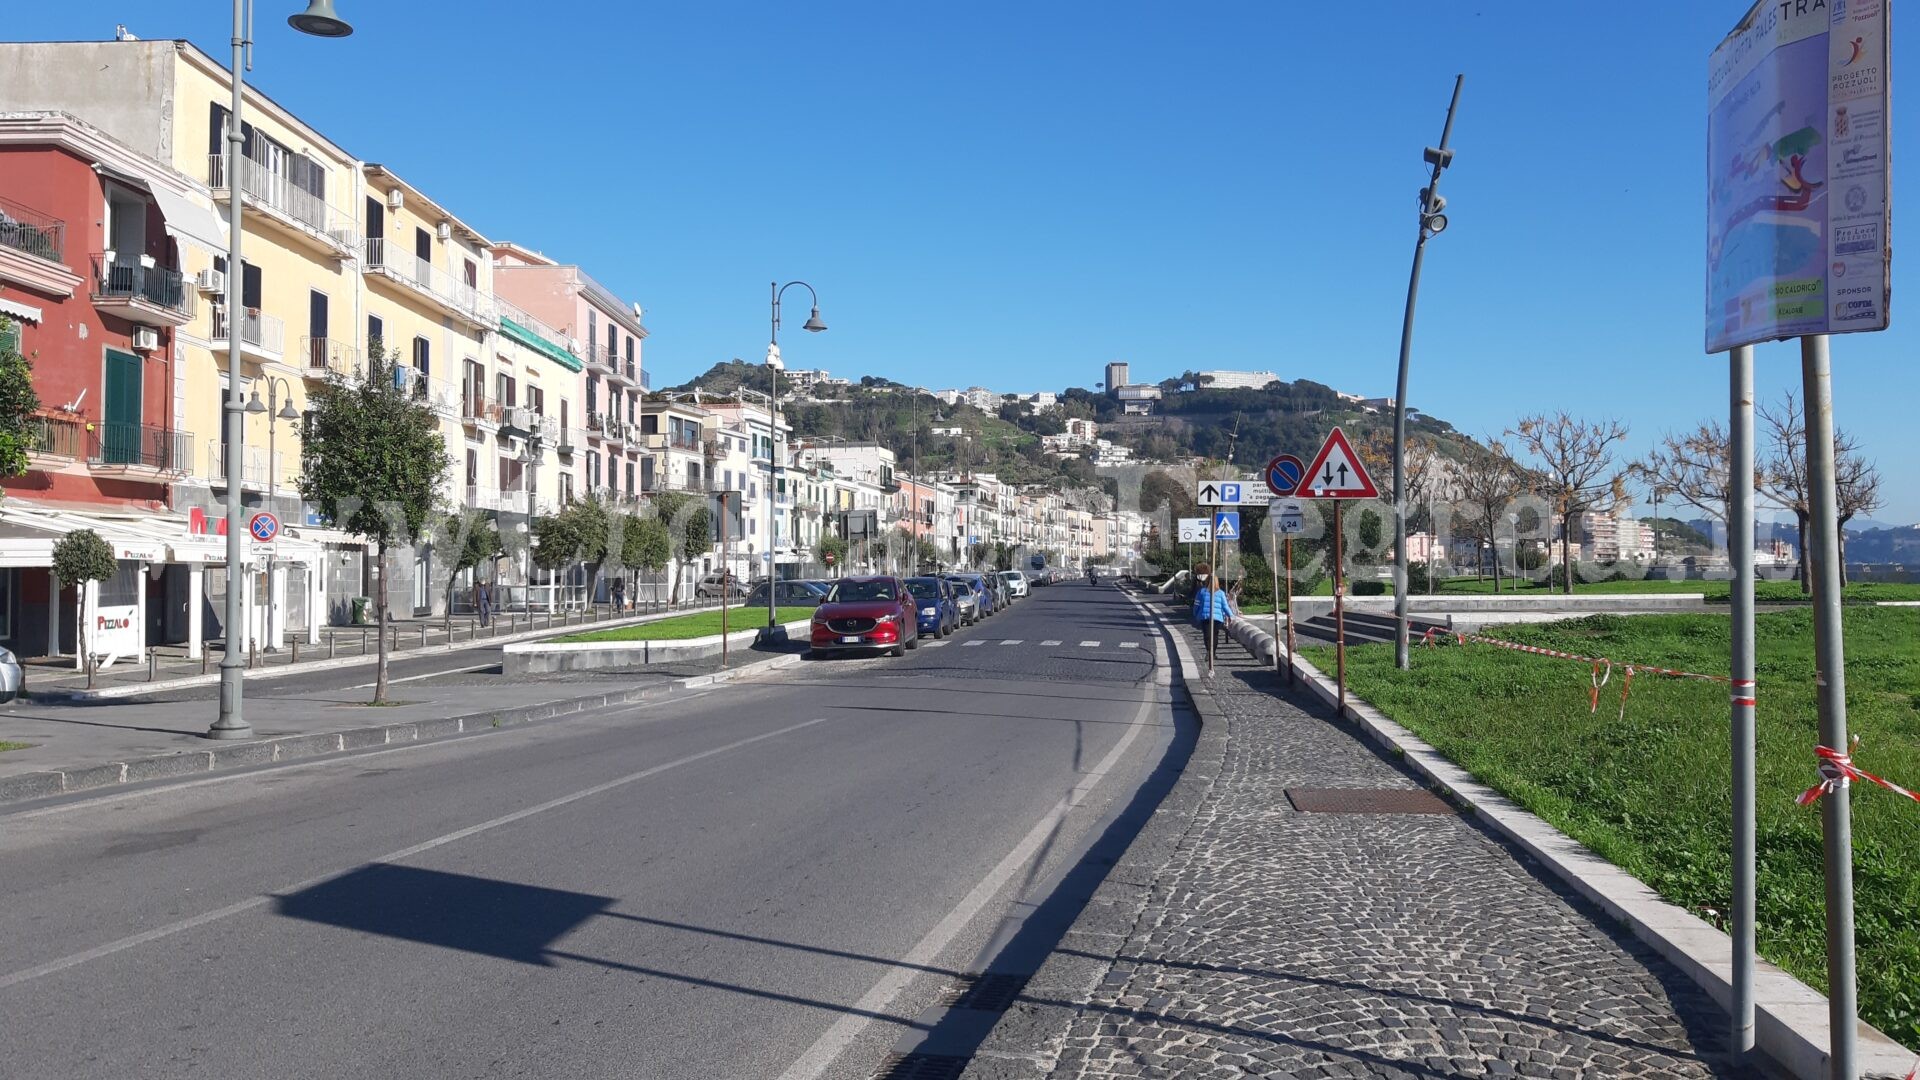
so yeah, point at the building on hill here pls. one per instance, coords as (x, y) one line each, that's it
(1137, 400)
(1237, 380)
(1116, 377)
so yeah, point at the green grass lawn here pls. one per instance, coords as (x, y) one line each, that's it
(698, 624)
(6, 746)
(1765, 592)
(1650, 791)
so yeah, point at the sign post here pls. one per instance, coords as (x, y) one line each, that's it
(1798, 221)
(1288, 518)
(1336, 473)
(726, 571)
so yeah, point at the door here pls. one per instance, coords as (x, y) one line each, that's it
(317, 328)
(120, 411)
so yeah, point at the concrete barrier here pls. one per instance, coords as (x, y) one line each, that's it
(548, 657)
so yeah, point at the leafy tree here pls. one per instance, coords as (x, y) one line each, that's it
(474, 540)
(689, 526)
(644, 543)
(18, 402)
(1576, 463)
(373, 461)
(81, 557)
(831, 550)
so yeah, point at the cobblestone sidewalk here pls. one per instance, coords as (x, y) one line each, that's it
(1282, 944)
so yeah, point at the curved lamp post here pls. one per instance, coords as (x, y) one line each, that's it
(774, 364)
(319, 20)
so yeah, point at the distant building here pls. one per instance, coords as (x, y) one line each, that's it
(1137, 400)
(954, 432)
(1237, 380)
(982, 398)
(1116, 377)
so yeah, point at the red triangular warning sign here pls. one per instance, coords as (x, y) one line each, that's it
(1336, 472)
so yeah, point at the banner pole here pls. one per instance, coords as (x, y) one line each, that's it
(1830, 681)
(1741, 671)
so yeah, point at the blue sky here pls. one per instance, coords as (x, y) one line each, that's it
(1012, 194)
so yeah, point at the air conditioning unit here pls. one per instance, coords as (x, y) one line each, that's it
(395, 200)
(211, 280)
(445, 232)
(146, 338)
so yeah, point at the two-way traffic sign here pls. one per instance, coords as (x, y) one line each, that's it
(1336, 472)
(1226, 525)
(1223, 493)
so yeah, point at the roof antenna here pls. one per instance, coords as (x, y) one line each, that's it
(121, 33)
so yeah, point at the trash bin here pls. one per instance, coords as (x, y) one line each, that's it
(362, 606)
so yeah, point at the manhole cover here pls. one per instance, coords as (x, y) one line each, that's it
(1366, 801)
(992, 993)
(921, 1067)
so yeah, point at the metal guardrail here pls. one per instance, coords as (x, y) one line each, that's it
(23, 228)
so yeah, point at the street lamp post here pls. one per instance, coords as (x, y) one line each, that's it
(279, 412)
(320, 21)
(774, 364)
(1432, 222)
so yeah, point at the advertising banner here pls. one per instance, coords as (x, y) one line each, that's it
(1797, 206)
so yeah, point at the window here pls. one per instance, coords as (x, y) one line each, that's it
(631, 399)
(472, 275)
(629, 476)
(423, 245)
(317, 325)
(563, 420)
(473, 468)
(376, 333)
(421, 356)
(473, 385)
(537, 400)
(10, 337)
(249, 285)
(629, 358)
(593, 470)
(593, 393)
(503, 389)
(726, 480)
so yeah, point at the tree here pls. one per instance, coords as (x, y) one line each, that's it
(689, 527)
(372, 463)
(1576, 463)
(1782, 477)
(18, 403)
(476, 541)
(81, 557)
(644, 543)
(831, 550)
(1488, 482)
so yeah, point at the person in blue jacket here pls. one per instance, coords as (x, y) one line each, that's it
(1212, 606)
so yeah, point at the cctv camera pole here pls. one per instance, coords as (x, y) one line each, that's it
(1431, 222)
(232, 724)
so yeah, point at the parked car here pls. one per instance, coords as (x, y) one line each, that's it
(1016, 583)
(933, 599)
(789, 594)
(13, 681)
(1002, 595)
(866, 614)
(987, 588)
(715, 585)
(966, 600)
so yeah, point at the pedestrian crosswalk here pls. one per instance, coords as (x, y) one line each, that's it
(1048, 643)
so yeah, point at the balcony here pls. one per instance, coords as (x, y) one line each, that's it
(682, 443)
(518, 421)
(52, 441)
(262, 336)
(138, 450)
(147, 295)
(293, 211)
(391, 262)
(495, 499)
(479, 409)
(258, 468)
(326, 357)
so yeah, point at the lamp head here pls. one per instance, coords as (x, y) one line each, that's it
(320, 21)
(288, 412)
(254, 404)
(813, 322)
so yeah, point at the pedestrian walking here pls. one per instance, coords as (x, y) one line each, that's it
(1212, 608)
(483, 602)
(619, 594)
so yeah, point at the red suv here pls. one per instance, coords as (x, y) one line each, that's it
(868, 614)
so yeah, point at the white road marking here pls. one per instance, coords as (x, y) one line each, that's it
(931, 644)
(430, 675)
(1089, 644)
(974, 642)
(1051, 641)
(111, 947)
(872, 1005)
(1011, 641)
(1129, 644)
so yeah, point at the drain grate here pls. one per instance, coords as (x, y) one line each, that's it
(1366, 801)
(921, 1067)
(991, 993)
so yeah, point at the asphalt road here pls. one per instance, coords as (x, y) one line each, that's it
(770, 879)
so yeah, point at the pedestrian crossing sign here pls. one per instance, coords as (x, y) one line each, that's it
(1226, 525)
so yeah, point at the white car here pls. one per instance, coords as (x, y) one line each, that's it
(1016, 583)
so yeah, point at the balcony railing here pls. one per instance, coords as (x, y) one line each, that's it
(421, 273)
(258, 467)
(479, 407)
(607, 361)
(114, 444)
(115, 279)
(55, 437)
(264, 332)
(25, 229)
(276, 191)
(327, 356)
(534, 326)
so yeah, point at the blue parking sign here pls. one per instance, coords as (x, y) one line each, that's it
(1226, 525)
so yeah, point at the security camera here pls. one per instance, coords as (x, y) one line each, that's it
(1441, 158)
(1436, 223)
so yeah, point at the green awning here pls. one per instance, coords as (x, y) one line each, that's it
(539, 344)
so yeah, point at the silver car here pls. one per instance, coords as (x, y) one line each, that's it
(13, 682)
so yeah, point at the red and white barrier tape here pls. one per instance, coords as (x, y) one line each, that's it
(1837, 771)
(1602, 669)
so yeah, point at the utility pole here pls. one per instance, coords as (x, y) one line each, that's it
(1432, 223)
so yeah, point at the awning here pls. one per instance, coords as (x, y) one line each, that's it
(188, 220)
(19, 310)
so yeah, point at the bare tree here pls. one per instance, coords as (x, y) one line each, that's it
(1576, 463)
(1782, 477)
(1697, 466)
(1488, 482)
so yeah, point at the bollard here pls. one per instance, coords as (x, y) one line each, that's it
(204, 653)
(423, 635)
(296, 652)
(153, 656)
(253, 652)
(363, 641)
(331, 638)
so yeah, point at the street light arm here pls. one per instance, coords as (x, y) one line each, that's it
(780, 291)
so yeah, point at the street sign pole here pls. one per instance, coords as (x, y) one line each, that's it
(1830, 681)
(726, 561)
(1273, 520)
(1741, 737)
(1339, 614)
(1213, 586)
(1286, 549)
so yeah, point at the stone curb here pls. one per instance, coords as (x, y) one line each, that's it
(1790, 1017)
(212, 678)
(41, 785)
(550, 657)
(1027, 1041)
